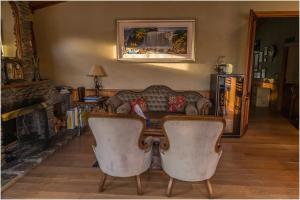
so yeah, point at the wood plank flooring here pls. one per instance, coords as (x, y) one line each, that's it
(262, 164)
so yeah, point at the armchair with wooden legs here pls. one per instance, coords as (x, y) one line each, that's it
(121, 150)
(193, 149)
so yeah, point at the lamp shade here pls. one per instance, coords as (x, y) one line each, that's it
(97, 70)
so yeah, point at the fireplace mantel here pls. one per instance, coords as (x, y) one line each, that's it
(22, 84)
(23, 111)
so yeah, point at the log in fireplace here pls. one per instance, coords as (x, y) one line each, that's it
(24, 131)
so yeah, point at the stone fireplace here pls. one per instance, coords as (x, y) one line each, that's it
(28, 135)
(27, 118)
(29, 108)
(24, 132)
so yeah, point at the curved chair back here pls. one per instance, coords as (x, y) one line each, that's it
(193, 152)
(117, 151)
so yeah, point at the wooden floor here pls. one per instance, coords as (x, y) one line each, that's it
(262, 164)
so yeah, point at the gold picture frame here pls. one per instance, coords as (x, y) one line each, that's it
(156, 40)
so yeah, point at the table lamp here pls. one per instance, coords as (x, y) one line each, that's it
(96, 72)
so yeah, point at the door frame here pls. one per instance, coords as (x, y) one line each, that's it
(253, 16)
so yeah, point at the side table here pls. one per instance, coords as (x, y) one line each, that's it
(86, 107)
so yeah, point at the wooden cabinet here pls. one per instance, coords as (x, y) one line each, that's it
(226, 95)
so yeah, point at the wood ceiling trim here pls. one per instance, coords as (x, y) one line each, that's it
(35, 5)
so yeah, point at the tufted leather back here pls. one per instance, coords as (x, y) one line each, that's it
(157, 96)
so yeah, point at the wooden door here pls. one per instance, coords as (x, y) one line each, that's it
(248, 72)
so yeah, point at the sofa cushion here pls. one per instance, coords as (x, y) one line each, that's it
(124, 108)
(190, 109)
(203, 105)
(176, 103)
(141, 102)
(114, 102)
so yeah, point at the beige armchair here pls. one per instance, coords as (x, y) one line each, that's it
(192, 152)
(121, 150)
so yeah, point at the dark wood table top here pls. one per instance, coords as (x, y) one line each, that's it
(155, 128)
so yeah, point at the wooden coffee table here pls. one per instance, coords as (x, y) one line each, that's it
(155, 128)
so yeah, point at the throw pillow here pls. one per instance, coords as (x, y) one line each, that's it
(176, 103)
(203, 105)
(141, 102)
(190, 109)
(114, 102)
(124, 108)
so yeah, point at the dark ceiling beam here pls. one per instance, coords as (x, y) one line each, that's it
(34, 5)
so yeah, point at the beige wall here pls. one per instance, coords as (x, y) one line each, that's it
(72, 36)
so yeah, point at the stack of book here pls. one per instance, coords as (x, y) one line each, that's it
(91, 99)
(76, 118)
(72, 118)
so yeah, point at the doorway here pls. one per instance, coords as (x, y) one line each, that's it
(275, 71)
(272, 65)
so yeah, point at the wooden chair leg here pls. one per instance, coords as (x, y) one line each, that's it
(209, 188)
(102, 182)
(139, 185)
(149, 173)
(170, 187)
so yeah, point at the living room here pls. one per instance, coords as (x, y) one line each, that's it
(75, 74)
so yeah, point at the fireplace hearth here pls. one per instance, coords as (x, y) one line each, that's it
(24, 132)
(27, 133)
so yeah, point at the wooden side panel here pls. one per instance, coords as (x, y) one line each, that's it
(248, 72)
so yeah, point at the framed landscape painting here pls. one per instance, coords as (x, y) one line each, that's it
(156, 40)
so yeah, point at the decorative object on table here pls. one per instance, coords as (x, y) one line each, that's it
(12, 69)
(36, 71)
(222, 67)
(97, 71)
(4, 78)
(64, 89)
(81, 93)
(229, 68)
(156, 40)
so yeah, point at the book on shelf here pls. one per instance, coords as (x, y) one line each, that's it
(76, 118)
(91, 99)
(70, 119)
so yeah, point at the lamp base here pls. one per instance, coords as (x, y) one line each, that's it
(98, 85)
